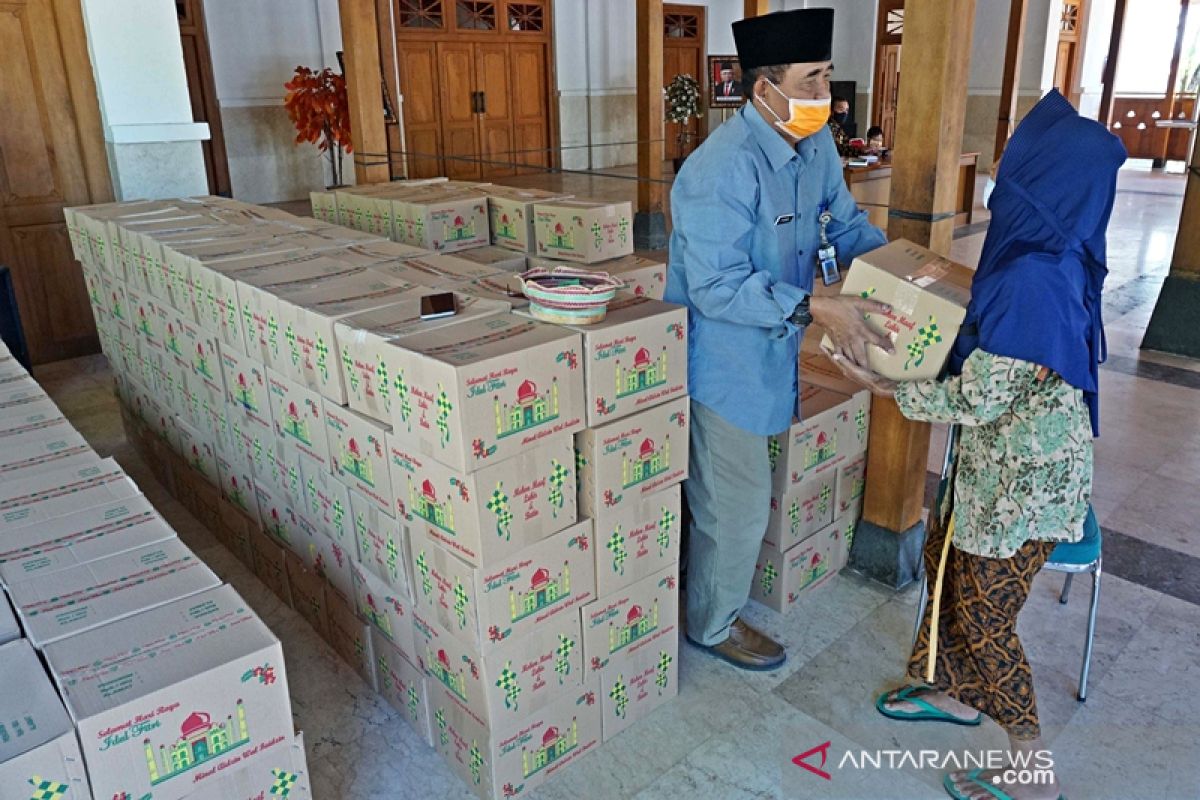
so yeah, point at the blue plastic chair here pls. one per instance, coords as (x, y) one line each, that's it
(1072, 558)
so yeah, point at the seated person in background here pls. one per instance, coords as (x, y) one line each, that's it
(875, 141)
(839, 120)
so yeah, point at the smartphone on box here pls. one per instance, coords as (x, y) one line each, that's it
(438, 306)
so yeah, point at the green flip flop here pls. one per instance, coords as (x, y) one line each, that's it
(928, 712)
(973, 777)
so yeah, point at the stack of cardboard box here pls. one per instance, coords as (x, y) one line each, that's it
(421, 491)
(172, 686)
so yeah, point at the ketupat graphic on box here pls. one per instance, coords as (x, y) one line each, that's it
(145, 692)
(833, 426)
(388, 611)
(488, 607)
(367, 348)
(780, 578)
(381, 544)
(72, 539)
(286, 777)
(512, 680)
(359, 455)
(928, 295)
(487, 389)
(39, 754)
(494, 512)
(88, 595)
(512, 759)
(630, 689)
(851, 485)
(350, 637)
(583, 231)
(403, 685)
(620, 625)
(804, 507)
(632, 457)
(639, 539)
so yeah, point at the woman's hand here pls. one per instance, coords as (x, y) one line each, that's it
(844, 319)
(879, 385)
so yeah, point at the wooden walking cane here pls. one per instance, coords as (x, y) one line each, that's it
(935, 611)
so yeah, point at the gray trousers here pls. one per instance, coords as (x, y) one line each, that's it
(729, 496)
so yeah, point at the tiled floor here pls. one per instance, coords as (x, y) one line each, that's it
(732, 735)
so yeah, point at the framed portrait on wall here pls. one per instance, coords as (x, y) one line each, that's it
(724, 81)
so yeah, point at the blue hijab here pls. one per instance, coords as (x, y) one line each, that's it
(1036, 294)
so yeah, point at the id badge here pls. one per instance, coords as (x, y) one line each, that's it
(827, 261)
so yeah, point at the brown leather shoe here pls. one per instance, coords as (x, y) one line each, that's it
(747, 648)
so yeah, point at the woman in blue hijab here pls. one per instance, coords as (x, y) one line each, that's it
(1022, 387)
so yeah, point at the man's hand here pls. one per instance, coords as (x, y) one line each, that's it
(843, 317)
(879, 385)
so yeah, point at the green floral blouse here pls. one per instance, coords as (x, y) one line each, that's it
(1024, 455)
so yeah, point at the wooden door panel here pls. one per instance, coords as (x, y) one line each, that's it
(422, 159)
(530, 104)
(418, 65)
(41, 171)
(460, 128)
(496, 124)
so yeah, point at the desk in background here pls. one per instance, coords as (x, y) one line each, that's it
(872, 187)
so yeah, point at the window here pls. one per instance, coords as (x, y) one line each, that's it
(421, 13)
(894, 24)
(1146, 48)
(475, 15)
(681, 26)
(526, 17)
(1069, 22)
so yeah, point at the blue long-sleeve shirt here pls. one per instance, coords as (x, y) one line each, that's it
(743, 255)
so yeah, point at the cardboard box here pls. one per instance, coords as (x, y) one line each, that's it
(359, 455)
(285, 473)
(618, 626)
(388, 611)
(42, 497)
(88, 595)
(197, 450)
(237, 486)
(488, 607)
(928, 294)
(635, 358)
(633, 457)
(511, 214)
(381, 544)
(350, 638)
(583, 231)
(235, 529)
(834, 427)
(246, 384)
(296, 415)
(640, 539)
(73, 539)
(327, 502)
(9, 628)
(516, 757)
(367, 342)
(163, 698)
(630, 689)
(37, 452)
(39, 754)
(279, 519)
(490, 514)
(324, 206)
(402, 685)
(270, 564)
(485, 390)
(448, 269)
(284, 776)
(513, 680)
(495, 259)
(851, 485)
(503, 287)
(333, 562)
(443, 222)
(781, 577)
(643, 276)
(35, 415)
(308, 594)
(16, 393)
(804, 507)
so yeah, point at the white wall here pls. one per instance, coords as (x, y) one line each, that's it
(152, 142)
(255, 47)
(1095, 53)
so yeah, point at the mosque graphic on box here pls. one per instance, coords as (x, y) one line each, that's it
(356, 463)
(425, 505)
(544, 591)
(459, 231)
(561, 238)
(646, 373)
(439, 667)
(506, 228)
(638, 625)
(200, 741)
(555, 745)
(820, 451)
(650, 461)
(531, 409)
(295, 425)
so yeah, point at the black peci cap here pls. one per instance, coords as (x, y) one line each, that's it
(785, 37)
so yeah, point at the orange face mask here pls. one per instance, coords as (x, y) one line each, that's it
(806, 117)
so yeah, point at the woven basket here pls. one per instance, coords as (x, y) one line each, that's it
(568, 295)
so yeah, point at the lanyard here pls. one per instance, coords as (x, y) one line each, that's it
(827, 253)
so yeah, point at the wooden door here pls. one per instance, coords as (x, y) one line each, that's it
(1070, 43)
(422, 116)
(887, 90)
(493, 81)
(51, 156)
(458, 100)
(530, 99)
(203, 92)
(683, 54)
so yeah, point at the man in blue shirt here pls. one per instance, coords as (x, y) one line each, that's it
(750, 208)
